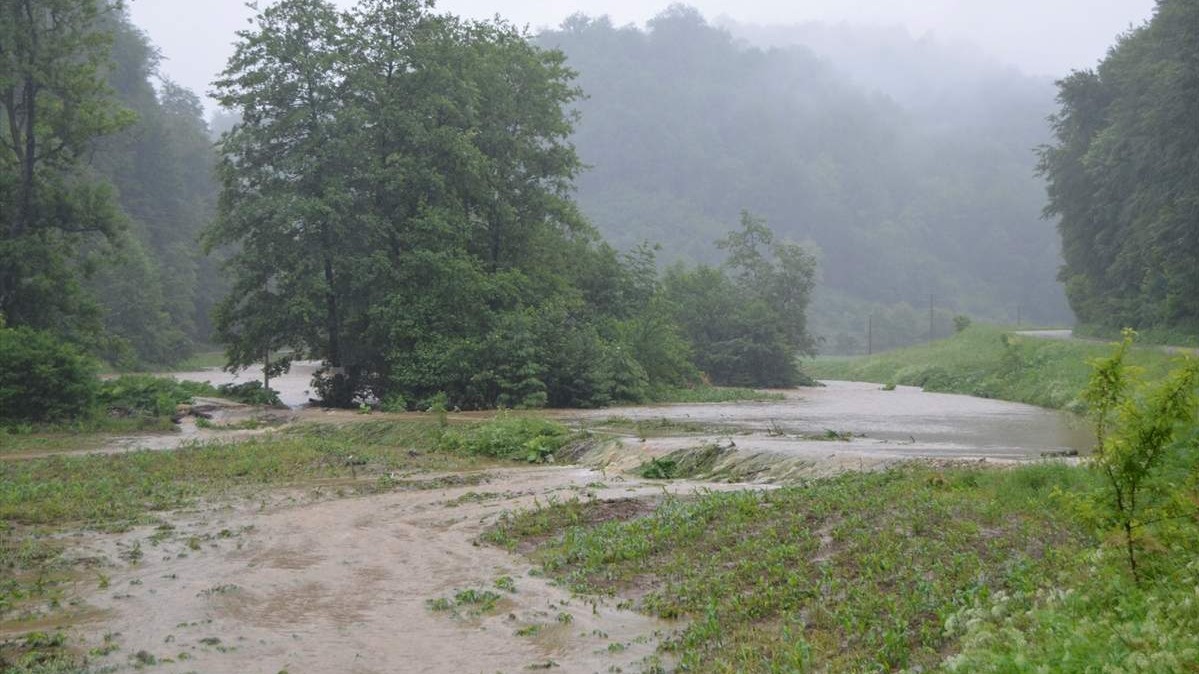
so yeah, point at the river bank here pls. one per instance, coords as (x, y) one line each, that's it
(992, 362)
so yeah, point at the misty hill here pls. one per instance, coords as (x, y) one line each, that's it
(906, 192)
(154, 285)
(949, 86)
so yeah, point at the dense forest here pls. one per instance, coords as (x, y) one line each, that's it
(909, 170)
(425, 203)
(106, 184)
(154, 284)
(391, 194)
(1123, 178)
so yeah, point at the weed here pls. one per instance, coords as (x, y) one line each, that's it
(469, 602)
(847, 574)
(509, 437)
(529, 630)
(659, 469)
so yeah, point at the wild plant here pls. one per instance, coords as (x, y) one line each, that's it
(1136, 425)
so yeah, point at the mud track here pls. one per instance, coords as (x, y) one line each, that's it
(344, 586)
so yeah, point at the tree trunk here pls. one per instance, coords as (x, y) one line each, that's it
(340, 393)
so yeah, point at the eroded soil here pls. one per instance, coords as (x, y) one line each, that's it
(344, 586)
(314, 579)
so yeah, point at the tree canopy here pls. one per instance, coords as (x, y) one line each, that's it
(398, 195)
(105, 183)
(54, 106)
(1122, 177)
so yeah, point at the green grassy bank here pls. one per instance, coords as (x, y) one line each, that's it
(914, 569)
(991, 362)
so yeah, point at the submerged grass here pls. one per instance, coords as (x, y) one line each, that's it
(98, 489)
(40, 497)
(79, 435)
(714, 394)
(991, 362)
(960, 569)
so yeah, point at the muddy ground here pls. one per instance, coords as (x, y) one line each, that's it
(308, 583)
(314, 580)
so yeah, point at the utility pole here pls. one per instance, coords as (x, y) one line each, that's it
(931, 297)
(266, 369)
(870, 335)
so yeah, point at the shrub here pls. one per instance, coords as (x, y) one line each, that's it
(42, 378)
(143, 395)
(507, 437)
(1136, 425)
(250, 393)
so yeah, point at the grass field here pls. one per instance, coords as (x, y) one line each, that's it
(990, 362)
(914, 569)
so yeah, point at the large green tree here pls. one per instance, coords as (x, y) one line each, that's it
(748, 320)
(54, 104)
(1122, 177)
(398, 190)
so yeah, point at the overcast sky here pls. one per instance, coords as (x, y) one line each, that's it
(1043, 37)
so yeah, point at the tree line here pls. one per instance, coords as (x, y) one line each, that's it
(915, 181)
(105, 184)
(1122, 178)
(394, 199)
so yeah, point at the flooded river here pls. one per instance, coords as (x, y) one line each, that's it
(904, 423)
(295, 387)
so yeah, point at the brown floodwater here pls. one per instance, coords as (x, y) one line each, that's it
(344, 586)
(295, 387)
(296, 581)
(904, 423)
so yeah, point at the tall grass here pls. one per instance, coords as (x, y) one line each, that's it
(992, 362)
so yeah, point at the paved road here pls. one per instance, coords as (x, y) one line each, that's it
(1068, 335)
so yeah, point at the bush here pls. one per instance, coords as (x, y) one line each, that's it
(143, 395)
(250, 393)
(512, 438)
(42, 378)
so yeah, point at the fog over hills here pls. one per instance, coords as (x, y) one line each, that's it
(909, 166)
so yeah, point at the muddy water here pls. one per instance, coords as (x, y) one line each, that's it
(904, 423)
(295, 387)
(342, 586)
(288, 582)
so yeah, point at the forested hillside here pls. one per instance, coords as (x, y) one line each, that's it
(105, 184)
(155, 284)
(1124, 177)
(928, 190)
